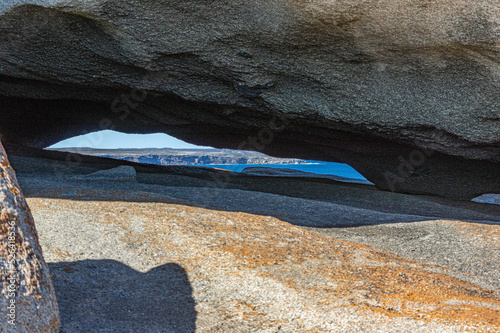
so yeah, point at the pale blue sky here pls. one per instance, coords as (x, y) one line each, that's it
(112, 140)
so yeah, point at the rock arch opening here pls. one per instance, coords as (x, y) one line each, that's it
(162, 149)
(365, 99)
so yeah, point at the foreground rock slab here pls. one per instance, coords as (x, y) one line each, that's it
(165, 265)
(27, 301)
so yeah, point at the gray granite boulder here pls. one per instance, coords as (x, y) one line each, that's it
(406, 92)
(123, 173)
(488, 198)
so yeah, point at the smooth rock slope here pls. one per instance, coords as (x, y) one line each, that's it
(406, 92)
(150, 262)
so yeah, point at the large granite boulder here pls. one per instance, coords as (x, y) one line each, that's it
(27, 298)
(407, 92)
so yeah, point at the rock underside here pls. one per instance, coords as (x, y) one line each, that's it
(405, 92)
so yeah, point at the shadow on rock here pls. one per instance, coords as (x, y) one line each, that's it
(108, 296)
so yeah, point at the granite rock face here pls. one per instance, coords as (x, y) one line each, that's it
(405, 92)
(124, 173)
(488, 198)
(28, 301)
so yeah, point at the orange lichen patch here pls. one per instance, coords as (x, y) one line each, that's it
(420, 294)
(483, 232)
(60, 253)
(248, 310)
(423, 295)
(328, 273)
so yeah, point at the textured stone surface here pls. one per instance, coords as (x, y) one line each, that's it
(488, 198)
(180, 268)
(404, 91)
(27, 300)
(174, 252)
(123, 173)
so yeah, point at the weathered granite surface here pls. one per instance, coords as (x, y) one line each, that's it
(123, 173)
(488, 198)
(126, 260)
(180, 253)
(27, 298)
(406, 92)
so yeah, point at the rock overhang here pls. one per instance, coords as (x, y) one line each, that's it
(409, 99)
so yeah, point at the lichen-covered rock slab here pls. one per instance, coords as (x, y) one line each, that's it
(27, 300)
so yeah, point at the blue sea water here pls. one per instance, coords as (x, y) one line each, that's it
(320, 168)
(316, 167)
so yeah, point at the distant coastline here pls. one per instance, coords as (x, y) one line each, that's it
(227, 159)
(198, 157)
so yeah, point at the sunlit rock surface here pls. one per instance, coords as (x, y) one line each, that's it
(203, 250)
(160, 263)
